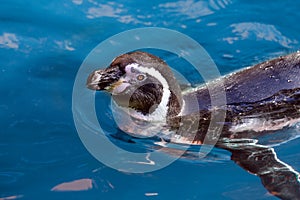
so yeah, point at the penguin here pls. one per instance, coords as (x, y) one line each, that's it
(260, 100)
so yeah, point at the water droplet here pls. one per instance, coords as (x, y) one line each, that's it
(269, 67)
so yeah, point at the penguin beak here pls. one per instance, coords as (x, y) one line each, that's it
(103, 79)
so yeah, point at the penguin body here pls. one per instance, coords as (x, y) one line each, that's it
(259, 100)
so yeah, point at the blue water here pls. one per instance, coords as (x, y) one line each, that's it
(42, 45)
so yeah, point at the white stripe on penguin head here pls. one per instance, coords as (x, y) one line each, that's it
(160, 113)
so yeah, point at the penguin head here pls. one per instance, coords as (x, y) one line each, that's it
(142, 82)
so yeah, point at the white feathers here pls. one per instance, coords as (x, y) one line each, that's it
(160, 113)
(261, 124)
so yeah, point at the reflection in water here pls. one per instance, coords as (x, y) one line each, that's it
(113, 10)
(66, 44)
(77, 185)
(189, 9)
(147, 162)
(260, 31)
(9, 40)
(151, 194)
(194, 9)
(77, 2)
(103, 10)
(12, 197)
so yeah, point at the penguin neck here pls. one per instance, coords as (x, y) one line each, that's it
(175, 105)
(170, 106)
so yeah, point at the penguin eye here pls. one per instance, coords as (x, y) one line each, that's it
(140, 77)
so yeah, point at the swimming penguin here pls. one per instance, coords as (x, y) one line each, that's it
(260, 100)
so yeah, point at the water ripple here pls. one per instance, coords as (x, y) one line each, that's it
(104, 10)
(194, 9)
(9, 40)
(259, 31)
(9, 177)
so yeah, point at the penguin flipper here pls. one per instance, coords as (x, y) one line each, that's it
(278, 178)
